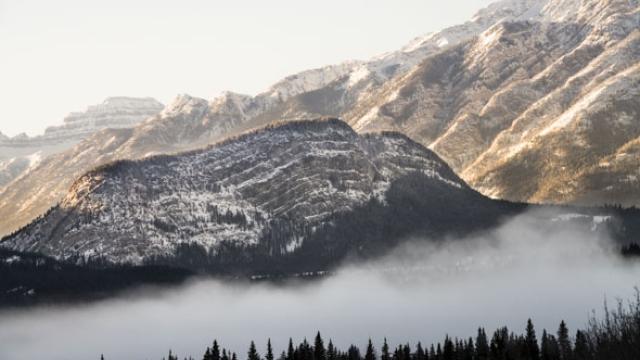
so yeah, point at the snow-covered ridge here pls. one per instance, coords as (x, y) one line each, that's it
(234, 191)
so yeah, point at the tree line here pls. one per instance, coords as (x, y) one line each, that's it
(615, 336)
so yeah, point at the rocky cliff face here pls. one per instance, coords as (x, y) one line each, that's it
(241, 192)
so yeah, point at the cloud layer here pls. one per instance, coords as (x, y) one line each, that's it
(421, 292)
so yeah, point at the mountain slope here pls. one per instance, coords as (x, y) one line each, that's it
(273, 186)
(528, 110)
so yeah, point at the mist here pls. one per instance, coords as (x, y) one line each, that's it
(530, 266)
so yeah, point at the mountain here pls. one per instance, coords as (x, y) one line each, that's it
(189, 123)
(289, 198)
(21, 153)
(275, 189)
(538, 110)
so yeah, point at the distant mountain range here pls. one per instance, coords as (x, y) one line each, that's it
(20, 153)
(531, 100)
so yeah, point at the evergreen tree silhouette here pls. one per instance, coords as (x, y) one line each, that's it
(564, 342)
(581, 348)
(319, 352)
(269, 351)
(215, 351)
(331, 351)
(482, 345)
(531, 350)
(420, 354)
(353, 353)
(252, 354)
(371, 353)
(406, 352)
(549, 347)
(448, 352)
(385, 351)
(290, 350)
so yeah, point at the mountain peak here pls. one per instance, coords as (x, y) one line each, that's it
(185, 103)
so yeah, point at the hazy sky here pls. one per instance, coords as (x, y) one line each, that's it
(60, 56)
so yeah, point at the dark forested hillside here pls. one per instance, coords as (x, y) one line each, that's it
(29, 279)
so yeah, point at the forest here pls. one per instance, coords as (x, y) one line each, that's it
(614, 336)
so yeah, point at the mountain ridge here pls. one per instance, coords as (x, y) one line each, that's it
(238, 191)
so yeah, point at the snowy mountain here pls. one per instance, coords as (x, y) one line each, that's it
(273, 186)
(21, 153)
(537, 110)
(529, 100)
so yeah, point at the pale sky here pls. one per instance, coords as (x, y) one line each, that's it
(63, 55)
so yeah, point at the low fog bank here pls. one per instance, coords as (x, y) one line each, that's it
(421, 292)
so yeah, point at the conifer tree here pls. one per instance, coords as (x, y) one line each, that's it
(531, 348)
(215, 351)
(385, 351)
(420, 354)
(331, 351)
(225, 356)
(252, 354)
(370, 354)
(564, 343)
(269, 350)
(469, 350)
(290, 350)
(581, 348)
(234, 357)
(448, 349)
(549, 347)
(207, 354)
(398, 354)
(306, 352)
(482, 345)
(319, 352)
(406, 352)
(498, 345)
(353, 353)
